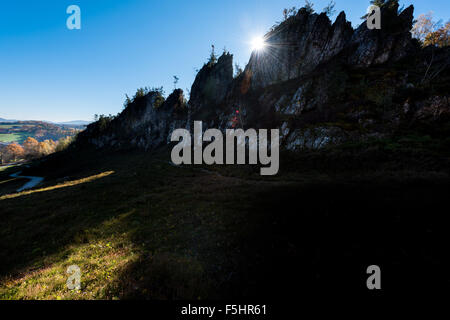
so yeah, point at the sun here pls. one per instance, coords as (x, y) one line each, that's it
(258, 43)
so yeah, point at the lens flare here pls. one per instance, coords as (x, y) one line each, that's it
(258, 44)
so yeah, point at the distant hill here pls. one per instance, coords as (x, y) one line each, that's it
(6, 120)
(75, 123)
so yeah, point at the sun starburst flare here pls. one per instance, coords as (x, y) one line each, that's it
(258, 43)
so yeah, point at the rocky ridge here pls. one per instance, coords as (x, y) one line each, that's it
(319, 82)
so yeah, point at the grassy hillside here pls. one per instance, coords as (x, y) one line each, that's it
(139, 227)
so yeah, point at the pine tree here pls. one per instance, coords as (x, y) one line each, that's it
(212, 57)
(329, 9)
(309, 6)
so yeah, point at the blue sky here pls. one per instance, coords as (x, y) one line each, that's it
(48, 72)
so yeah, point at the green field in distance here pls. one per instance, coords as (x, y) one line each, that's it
(13, 137)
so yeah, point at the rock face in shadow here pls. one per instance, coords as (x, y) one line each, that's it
(318, 82)
(212, 83)
(300, 44)
(146, 123)
(296, 47)
(391, 43)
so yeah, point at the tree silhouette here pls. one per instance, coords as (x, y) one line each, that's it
(309, 6)
(212, 57)
(329, 9)
(175, 81)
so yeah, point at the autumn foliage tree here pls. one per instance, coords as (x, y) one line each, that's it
(430, 32)
(63, 143)
(440, 37)
(46, 147)
(31, 147)
(12, 152)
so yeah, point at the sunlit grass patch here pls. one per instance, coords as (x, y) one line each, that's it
(59, 186)
(101, 254)
(5, 167)
(6, 181)
(100, 263)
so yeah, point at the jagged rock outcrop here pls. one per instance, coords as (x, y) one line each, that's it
(300, 44)
(296, 47)
(177, 102)
(319, 82)
(146, 123)
(212, 83)
(391, 43)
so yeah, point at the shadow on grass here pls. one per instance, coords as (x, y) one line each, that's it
(322, 238)
(194, 235)
(310, 238)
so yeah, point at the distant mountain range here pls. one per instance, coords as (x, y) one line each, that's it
(74, 123)
(6, 120)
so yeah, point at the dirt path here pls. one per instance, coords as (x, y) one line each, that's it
(34, 181)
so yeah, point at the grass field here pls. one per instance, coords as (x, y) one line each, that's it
(13, 137)
(140, 228)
